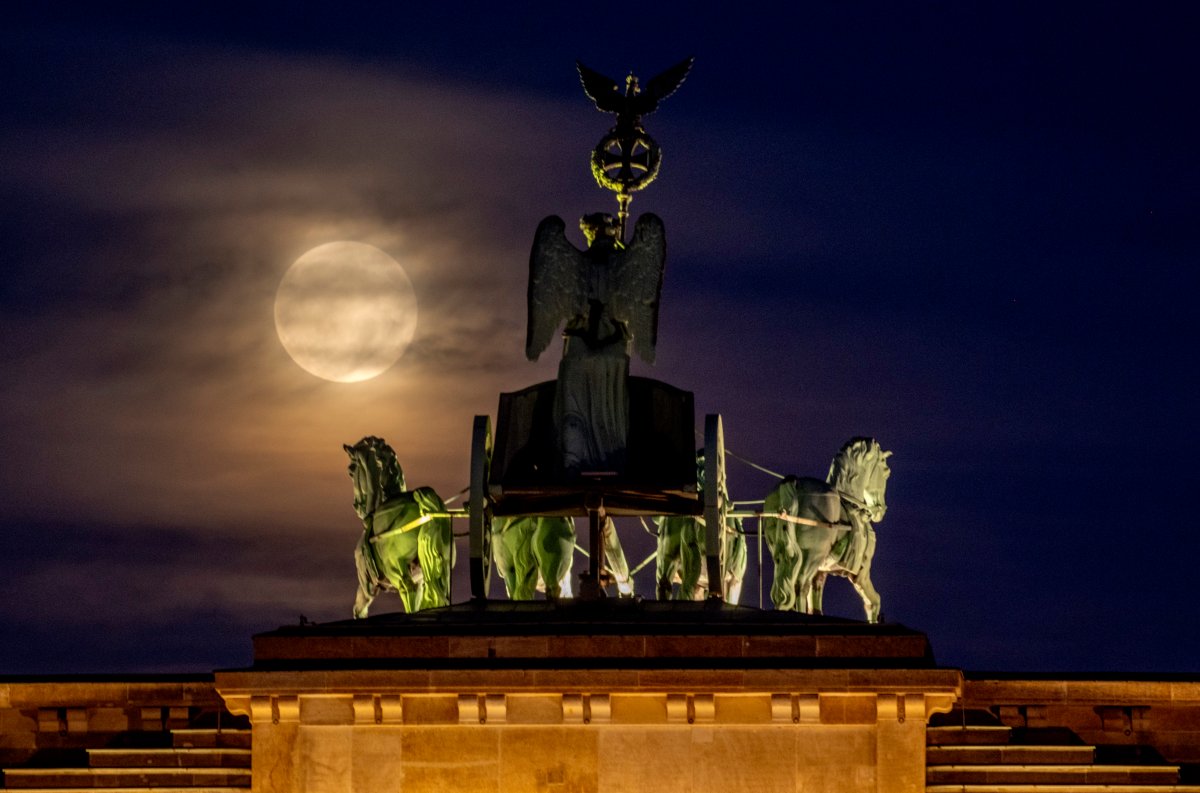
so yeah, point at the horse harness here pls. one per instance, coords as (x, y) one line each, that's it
(415, 523)
(418, 522)
(372, 559)
(809, 522)
(842, 527)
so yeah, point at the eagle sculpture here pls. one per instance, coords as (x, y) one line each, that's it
(634, 101)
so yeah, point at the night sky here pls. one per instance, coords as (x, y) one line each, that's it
(969, 230)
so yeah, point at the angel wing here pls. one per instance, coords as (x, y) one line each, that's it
(638, 284)
(557, 285)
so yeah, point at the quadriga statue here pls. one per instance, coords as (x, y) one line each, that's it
(406, 544)
(528, 549)
(815, 528)
(681, 550)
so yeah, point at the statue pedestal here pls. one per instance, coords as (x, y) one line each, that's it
(608, 695)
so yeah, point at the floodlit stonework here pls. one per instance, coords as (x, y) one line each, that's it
(524, 697)
(645, 735)
(631, 699)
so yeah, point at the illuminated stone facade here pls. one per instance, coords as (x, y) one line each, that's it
(527, 699)
(618, 696)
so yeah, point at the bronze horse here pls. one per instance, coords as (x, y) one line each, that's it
(815, 528)
(407, 544)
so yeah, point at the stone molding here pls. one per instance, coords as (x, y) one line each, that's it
(556, 708)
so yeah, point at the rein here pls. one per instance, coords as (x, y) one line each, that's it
(412, 524)
(806, 521)
(418, 522)
(844, 496)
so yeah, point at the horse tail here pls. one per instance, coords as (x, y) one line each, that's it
(524, 557)
(781, 542)
(781, 499)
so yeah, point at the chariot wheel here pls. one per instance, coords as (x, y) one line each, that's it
(480, 508)
(716, 508)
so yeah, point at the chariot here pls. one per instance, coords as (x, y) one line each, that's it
(517, 471)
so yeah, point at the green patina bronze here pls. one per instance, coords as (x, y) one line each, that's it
(679, 563)
(816, 528)
(616, 567)
(406, 544)
(532, 549)
(682, 546)
(605, 299)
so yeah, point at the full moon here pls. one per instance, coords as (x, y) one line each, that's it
(345, 311)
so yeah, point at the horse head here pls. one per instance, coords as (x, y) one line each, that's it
(376, 474)
(860, 470)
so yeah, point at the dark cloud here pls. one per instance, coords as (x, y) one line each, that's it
(105, 594)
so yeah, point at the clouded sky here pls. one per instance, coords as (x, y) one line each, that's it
(968, 230)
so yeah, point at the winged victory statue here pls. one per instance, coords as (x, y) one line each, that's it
(606, 301)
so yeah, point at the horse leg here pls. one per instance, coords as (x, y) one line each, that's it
(543, 578)
(666, 559)
(805, 579)
(665, 584)
(735, 565)
(502, 552)
(692, 583)
(817, 593)
(366, 581)
(802, 589)
(525, 581)
(553, 549)
(362, 603)
(567, 560)
(872, 602)
(524, 562)
(866, 590)
(615, 554)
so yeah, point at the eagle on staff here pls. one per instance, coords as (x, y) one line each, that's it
(634, 102)
(627, 158)
(604, 298)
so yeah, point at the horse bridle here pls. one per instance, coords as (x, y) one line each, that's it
(858, 502)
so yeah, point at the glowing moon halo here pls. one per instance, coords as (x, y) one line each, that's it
(345, 311)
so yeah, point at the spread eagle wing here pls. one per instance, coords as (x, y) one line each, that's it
(610, 97)
(604, 91)
(637, 286)
(659, 88)
(557, 285)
